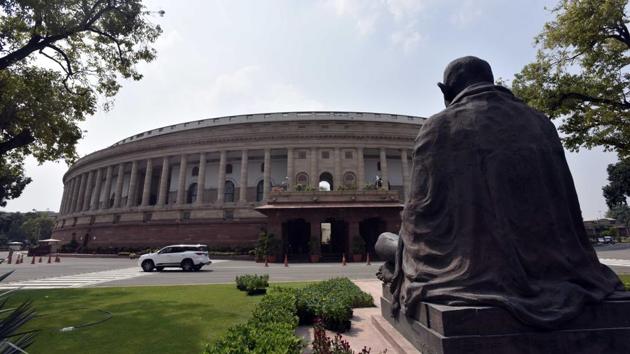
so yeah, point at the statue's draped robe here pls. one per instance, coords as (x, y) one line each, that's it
(493, 216)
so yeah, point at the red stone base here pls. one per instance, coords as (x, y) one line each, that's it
(216, 234)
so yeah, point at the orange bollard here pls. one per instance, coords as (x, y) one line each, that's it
(368, 259)
(266, 261)
(33, 260)
(40, 258)
(57, 259)
(286, 260)
(49, 257)
(19, 259)
(10, 257)
(343, 259)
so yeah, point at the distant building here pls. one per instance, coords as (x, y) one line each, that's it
(221, 180)
(596, 227)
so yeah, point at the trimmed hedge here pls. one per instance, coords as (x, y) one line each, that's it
(332, 301)
(252, 283)
(270, 330)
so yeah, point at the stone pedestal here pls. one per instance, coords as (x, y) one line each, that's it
(437, 329)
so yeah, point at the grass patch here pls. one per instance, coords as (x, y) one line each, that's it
(162, 319)
(625, 278)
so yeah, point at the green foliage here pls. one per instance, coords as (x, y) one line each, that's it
(322, 344)
(58, 59)
(618, 189)
(620, 213)
(267, 245)
(253, 284)
(12, 320)
(581, 74)
(332, 301)
(270, 330)
(25, 226)
(369, 187)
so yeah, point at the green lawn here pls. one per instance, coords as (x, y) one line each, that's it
(162, 319)
(625, 278)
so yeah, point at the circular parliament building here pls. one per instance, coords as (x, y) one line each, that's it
(319, 181)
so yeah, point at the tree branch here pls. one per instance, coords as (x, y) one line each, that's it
(574, 95)
(22, 139)
(114, 39)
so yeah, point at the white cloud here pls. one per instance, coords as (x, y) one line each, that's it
(252, 89)
(466, 14)
(405, 9)
(407, 39)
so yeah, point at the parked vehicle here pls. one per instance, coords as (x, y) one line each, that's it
(187, 257)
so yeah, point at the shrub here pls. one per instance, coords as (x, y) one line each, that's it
(252, 283)
(332, 301)
(270, 330)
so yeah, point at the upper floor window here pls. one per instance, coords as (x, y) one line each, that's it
(301, 155)
(195, 171)
(325, 154)
(228, 168)
(348, 154)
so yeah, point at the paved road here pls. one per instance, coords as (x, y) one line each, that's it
(80, 272)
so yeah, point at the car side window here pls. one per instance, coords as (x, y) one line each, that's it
(165, 250)
(177, 249)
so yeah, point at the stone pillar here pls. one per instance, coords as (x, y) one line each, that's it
(405, 173)
(337, 182)
(201, 179)
(81, 194)
(242, 197)
(181, 189)
(64, 197)
(266, 174)
(384, 174)
(146, 188)
(119, 186)
(360, 169)
(133, 185)
(108, 186)
(290, 170)
(353, 231)
(96, 194)
(87, 195)
(163, 182)
(75, 194)
(316, 237)
(314, 179)
(221, 177)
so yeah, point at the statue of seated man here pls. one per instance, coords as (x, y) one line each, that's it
(493, 217)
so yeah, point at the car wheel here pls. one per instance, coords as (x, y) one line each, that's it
(187, 265)
(159, 269)
(197, 267)
(147, 266)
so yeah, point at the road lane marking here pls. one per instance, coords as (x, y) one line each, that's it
(77, 280)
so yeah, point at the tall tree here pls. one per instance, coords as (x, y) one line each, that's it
(59, 60)
(581, 74)
(618, 189)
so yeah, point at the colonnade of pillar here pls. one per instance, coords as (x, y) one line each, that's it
(83, 192)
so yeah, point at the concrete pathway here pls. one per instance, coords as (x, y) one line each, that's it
(369, 329)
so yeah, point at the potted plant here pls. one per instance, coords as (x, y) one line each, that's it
(358, 248)
(274, 248)
(315, 250)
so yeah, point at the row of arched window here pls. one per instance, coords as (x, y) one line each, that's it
(228, 192)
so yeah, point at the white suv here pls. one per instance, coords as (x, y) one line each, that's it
(187, 257)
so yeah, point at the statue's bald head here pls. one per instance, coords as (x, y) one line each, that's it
(463, 72)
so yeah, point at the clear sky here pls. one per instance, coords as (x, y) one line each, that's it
(229, 57)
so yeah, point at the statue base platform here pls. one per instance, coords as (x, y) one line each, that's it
(438, 329)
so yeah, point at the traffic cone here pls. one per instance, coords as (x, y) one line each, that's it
(40, 258)
(343, 259)
(33, 260)
(286, 260)
(10, 256)
(266, 261)
(19, 259)
(368, 259)
(49, 257)
(57, 259)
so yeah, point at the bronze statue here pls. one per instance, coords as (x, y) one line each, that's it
(493, 217)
